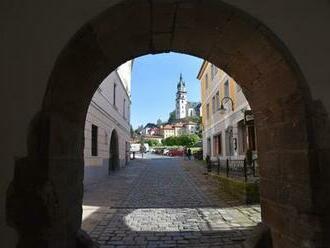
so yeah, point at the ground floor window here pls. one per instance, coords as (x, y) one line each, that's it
(217, 149)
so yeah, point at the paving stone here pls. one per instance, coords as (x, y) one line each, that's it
(166, 203)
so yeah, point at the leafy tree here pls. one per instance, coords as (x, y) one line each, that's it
(152, 142)
(139, 129)
(132, 131)
(172, 117)
(196, 119)
(159, 122)
(188, 140)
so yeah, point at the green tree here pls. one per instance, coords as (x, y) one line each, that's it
(139, 129)
(172, 117)
(188, 140)
(132, 132)
(159, 122)
(152, 142)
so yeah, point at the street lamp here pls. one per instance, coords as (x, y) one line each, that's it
(222, 109)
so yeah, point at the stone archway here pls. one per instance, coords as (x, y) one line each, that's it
(230, 39)
(113, 152)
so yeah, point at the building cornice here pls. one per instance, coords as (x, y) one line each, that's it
(202, 69)
(122, 84)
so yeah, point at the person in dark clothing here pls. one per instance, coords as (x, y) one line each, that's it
(189, 153)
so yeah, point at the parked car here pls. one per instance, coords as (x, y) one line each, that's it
(166, 151)
(176, 152)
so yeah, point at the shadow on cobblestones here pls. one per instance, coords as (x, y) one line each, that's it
(171, 227)
(159, 203)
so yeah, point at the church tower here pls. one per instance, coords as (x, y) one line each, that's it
(181, 100)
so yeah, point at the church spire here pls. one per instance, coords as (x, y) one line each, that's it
(181, 84)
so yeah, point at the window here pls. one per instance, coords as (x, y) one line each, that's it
(214, 71)
(94, 140)
(124, 109)
(226, 88)
(217, 100)
(206, 81)
(208, 111)
(242, 137)
(213, 104)
(217, 145)
(128, 113)
(114, 93)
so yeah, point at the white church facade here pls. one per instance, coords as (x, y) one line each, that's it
(184, 108)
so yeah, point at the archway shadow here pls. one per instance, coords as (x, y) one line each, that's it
(135, 218)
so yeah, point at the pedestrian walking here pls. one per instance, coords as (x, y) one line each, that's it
(189, 153)
(185, 153)
(142, 149)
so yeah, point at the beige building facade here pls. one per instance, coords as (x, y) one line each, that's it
(107, 127)
(226, 132)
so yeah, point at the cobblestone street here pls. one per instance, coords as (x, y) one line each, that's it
(164, 202)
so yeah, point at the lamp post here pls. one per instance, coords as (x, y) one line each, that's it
(222, 109)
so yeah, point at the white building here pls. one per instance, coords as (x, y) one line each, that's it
(183, 108)
(190, 127)
(150, 129)
(107, 127)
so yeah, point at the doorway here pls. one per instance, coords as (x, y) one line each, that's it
(114, 152)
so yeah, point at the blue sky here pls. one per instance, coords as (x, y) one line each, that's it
(154, 80)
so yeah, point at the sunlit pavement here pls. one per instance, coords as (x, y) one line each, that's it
(165, 202)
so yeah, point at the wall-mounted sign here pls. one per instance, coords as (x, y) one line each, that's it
(248, 117)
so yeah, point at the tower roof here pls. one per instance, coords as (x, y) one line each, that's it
(181, 84)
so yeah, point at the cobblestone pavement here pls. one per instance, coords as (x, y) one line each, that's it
(165, 203)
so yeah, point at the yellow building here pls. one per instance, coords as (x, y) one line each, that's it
(167, 131)
(226, 131)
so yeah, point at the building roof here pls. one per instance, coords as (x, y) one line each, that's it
(181, 84)
(191, 123)
(178, 125)
(193, 104)
(150, 125)
(167, 126)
